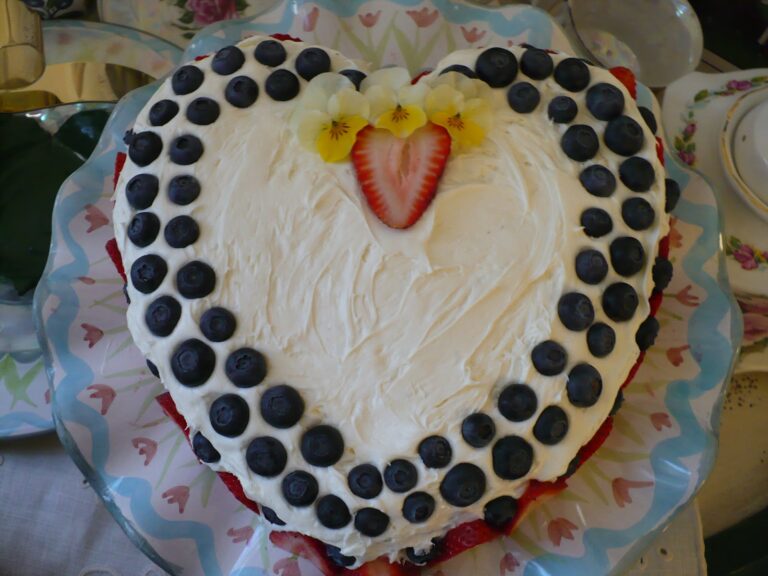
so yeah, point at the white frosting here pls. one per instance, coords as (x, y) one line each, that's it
(389, 335)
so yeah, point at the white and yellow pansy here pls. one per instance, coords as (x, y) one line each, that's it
(396, 105)
(329, 116)
(460, 105)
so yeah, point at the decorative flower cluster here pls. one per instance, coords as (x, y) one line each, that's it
(332, 111)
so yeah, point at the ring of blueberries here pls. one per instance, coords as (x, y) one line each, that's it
(282, 406)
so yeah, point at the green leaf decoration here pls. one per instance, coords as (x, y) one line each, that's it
(187, 18)
(701, 95)
(241, 5)
(679, 144)
(18, 385)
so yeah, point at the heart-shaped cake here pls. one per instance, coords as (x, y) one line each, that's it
(386, 306)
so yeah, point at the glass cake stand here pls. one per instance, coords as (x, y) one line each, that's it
(183, 518)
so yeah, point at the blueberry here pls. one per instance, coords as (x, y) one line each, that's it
(600, 340)
(355, 76)
(202, 111)
(152, 368)
(192, 362)
(620, 302)
(497, 67)
(551, 426)
(461, 69)
(435, 452)
(186, 150)
(646, 333)
(312, 61)
(523, 97)
(596, 222)
(517, 402)
(617, 403)
(624, 136)
(337, 558)
(204, 450)
(536, 64)
(181, 231)
(478, 430)
(584, 385)
(572, 74)
(649, 118)
(228, 60)
(365, 481)
(143, 229)
(241, 91)
(591, 266)
(299, 488)
(662, 273)
(575, 311)
(499, 512)
(400, 475)
(162, 315)
(512, 457)
(195, 280)
(637, 174)
(637, 213)
(282, 85)
(281, 406)
(266, 456)
(605, 101)
(425, 556)
(580, 142)
(562, 109)
(186, 79)
(418, 507)
(148, 272)
(271, 516)
(463, 485)
(627, 256)
(162, 112)
(183, 190)
(332, 512)
(145, 148)
(322, 445)
(141, 191)
(218, 324)
(229, 415)
(128, 137)
(598, 181)
(549, 358)
(371, 522)
(270, 53)
(246, 367)
(672, 195)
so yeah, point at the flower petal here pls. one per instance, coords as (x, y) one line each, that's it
(321, 88)
(444, 98)
(478, 111)
(334, 143)
(348, 102)
(402, 121)
(380, 99)
(471, 134)
(412, 95)
(393, 78)
(309, 124)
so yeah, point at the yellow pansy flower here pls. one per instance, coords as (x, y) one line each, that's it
(330, 115)
(396, 105)
(460, 105)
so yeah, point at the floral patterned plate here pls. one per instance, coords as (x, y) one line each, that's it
(182, 516)
(694, 113)
(24, 400)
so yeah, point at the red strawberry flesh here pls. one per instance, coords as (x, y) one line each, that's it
(399, 176)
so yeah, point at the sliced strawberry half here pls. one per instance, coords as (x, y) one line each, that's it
(382, 567)
(117, 259)
(464, 537)
(305, 547)
(119, 163)
(626, 77)
(399, 176)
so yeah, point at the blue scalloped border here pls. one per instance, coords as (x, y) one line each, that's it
(716, 366)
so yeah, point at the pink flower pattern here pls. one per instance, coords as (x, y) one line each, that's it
(675, 354)
(472, 35)
(210, 11)
(177, 495)
(685, 297)
(106, 394)
(423, 18)
(369, 19)
(755, 327)
(508, 563)
(92, 334)
(560, 528)
(621, 488)
(660, 420)
(238, 535)
(146, 447)
(309, 21)
(287, 567)
(95, 218)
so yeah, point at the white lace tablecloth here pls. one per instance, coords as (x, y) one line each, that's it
(52, 523)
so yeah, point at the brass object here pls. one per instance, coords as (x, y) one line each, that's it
(22, 59)
(71, 82)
